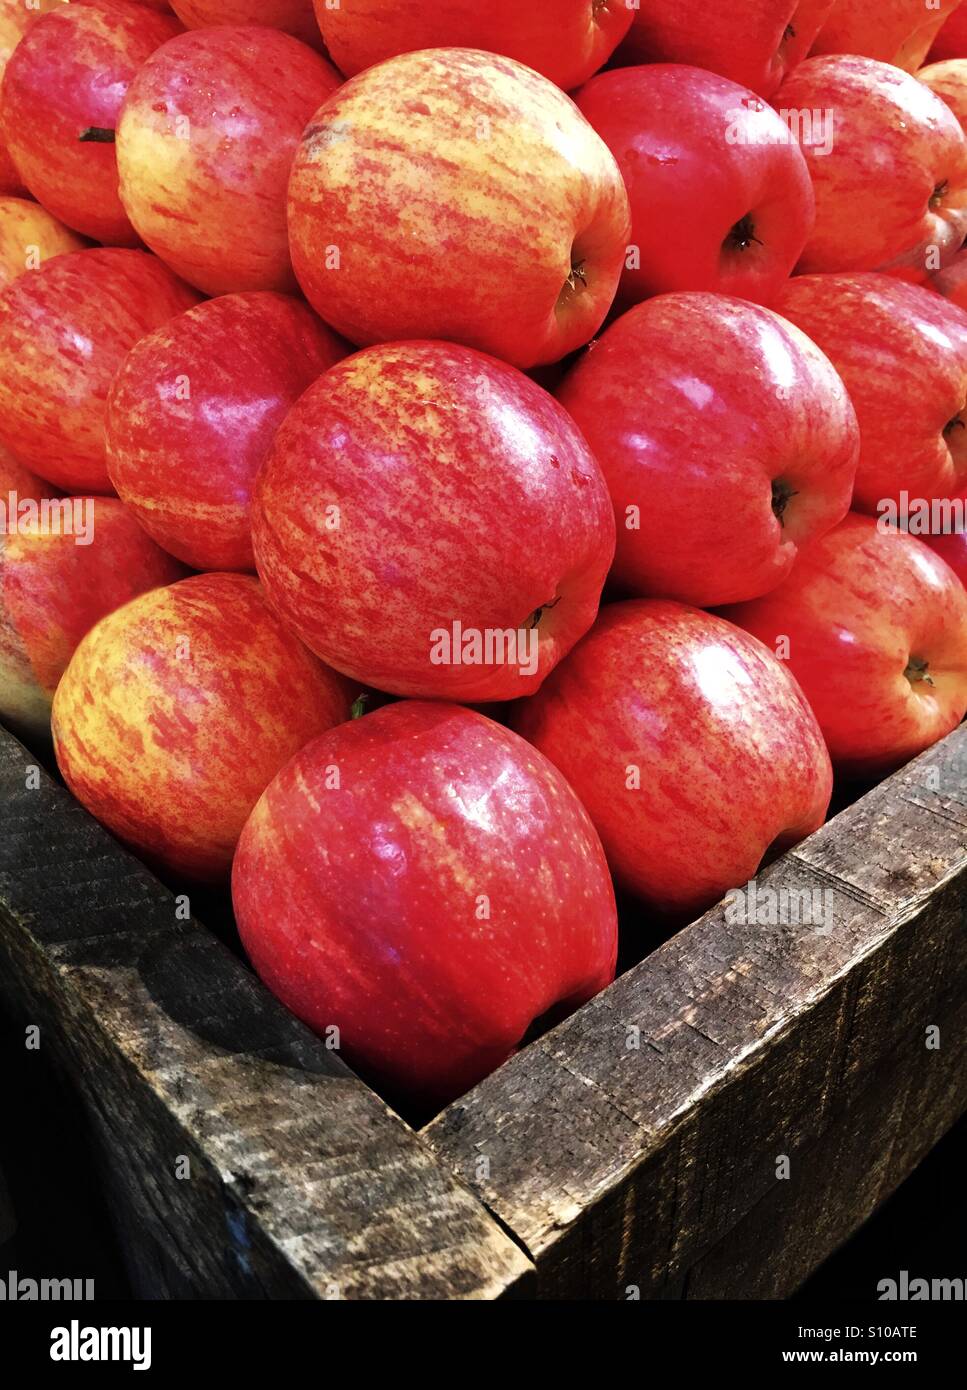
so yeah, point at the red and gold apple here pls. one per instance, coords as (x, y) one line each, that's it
(431, 522)
(874, 627)
(64, 565)
(662, 122)
(15, 17)
(194, 409)
(459, 195)
(893, 31)
(888, 163)
(727, 441)
(177, 711)
(294, 17)
(29, 235)
(205, 141)
(755, 42)
(692, 748)
(565, 40)
(902, 353)
(948, 81)
(429, 885)
(64, 331)
(62, 93)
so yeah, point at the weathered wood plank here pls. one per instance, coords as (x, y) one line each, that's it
(300, 1182)
(616, 1164)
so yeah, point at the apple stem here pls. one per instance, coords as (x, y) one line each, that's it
(358, 707)
(917, 671)
(96, 134)
(782, 495)
(742, 235)
(538, 613)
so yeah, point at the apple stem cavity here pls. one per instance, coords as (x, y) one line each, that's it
(742, 235)
(358, 707)
(955, 424)
(573, 285)
(939, 193)
(538, 613)
(97, 135)
(782, 495)
(917, 671)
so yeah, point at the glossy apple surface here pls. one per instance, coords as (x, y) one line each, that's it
(892, 31)
(418, 485)
(178, 710)
(952, 547)
(205, 142)
(889, 167)
(902, 353)
(690, 745)
(454, 194)
(294, 17)
(876, 630)
(755, 42)
(565, 40)
(756, 199)
(192, 413)
(951, 42)
(29, 235)
(433, 900)
(64, 330)
(67, 76)
(53, 590)
(948, 81)
(15, 16)
(727, 441)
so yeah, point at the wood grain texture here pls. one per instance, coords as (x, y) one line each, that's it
(617, 1165)
(302, 1183)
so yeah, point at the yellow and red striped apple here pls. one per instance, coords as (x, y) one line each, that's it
(427, 883)
(874, 626)
(431, 522)
(194, 409)
(565, 40)
(64, 331)
(454, 194)
(205, 142)
(62, 93)
(177, 711)
(948, 81)
(15, 18)
(29, 235)
(62, 568)
(691, 746)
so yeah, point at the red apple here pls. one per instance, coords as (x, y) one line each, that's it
(63, 566)
(429, 521)
(61, 97)
(690, 745)
(952, 547)
(726, 439)
(178, 710)
(736, 222)
(952, 281)
(205, 143)
(902, 353)
(15, 16)
(64, 331)
(951, 42)
(893, 31)
(194, 409)
(566, 40)
(295, 17)
(426, 883)
(452, 194)
(889, 166)
(875, 629)
(29, 235)
(755, 42)
(948, 81)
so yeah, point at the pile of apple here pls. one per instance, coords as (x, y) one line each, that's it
(373, 342)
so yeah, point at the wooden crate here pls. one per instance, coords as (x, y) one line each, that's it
(638, 1149)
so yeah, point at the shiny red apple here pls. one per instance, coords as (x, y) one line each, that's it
(456, 194)
(566, 40)
(194, 409)
(15, 17)
(874, 627)
(423, 886)
(691, 746)
(735, 221)
(431, 522)
(892, 31)
(205, 142)
(727, 441)
(62, 93)
(755, 42)
(902, 353)
(177, 711)
(64, 330)
(889, 166)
